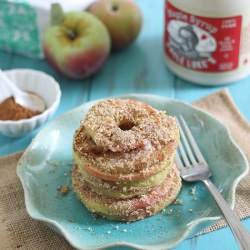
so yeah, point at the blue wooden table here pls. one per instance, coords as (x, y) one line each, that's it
(137, 69)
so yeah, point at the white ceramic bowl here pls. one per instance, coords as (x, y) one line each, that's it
(40, 83)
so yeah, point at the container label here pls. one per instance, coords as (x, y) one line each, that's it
(202, 43)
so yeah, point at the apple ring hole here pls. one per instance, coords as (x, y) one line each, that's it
(126, 125)
(115, 7)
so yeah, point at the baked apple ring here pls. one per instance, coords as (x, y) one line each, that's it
(124, 160)
(122, 125)
(123, 190)
(132, 209)
(116, 166)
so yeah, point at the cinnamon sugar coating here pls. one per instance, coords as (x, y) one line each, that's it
(124, 160)
(160, 142)
(122, 189)
(123, 125)
(144, 161)
(130, 209)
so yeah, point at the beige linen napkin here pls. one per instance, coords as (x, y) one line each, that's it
(222, 106)
(19, 231)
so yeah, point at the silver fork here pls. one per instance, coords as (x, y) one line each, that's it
(193, 167)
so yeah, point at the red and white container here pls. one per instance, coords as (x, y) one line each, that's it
(208, 42)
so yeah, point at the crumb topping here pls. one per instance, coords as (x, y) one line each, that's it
(123, 125)
(123, 163)
(118, 189)
(168, 190)
(120, 143)
(63, 190)
(158, 132)
(193, 191)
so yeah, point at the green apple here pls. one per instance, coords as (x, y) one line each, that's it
(76, 43)
(122, 18)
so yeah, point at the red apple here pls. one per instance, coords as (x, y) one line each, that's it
(76, 44)
(122, 18)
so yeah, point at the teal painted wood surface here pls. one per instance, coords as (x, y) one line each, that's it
(138, 69)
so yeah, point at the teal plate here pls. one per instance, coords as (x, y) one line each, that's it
(47, 163)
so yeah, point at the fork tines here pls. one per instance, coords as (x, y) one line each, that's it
(188, 148)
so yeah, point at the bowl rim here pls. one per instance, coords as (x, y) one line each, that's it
(191, 228)
(48, 110)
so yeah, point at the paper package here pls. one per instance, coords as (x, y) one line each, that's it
(23, 22)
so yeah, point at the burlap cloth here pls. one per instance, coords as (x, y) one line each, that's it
(19, 231)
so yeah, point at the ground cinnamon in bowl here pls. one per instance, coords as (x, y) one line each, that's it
(10, 110)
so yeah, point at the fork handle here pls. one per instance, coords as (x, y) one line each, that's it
(240, 232)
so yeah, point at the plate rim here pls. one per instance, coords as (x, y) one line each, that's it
(124, 243)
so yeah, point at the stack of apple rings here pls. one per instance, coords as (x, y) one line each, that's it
(124, 168)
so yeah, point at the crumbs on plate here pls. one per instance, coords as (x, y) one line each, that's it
(63, 189)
